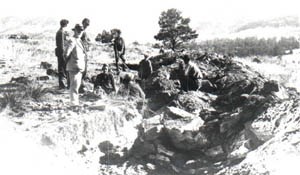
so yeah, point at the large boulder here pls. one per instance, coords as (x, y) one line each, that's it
(159, 88)
(194, 101)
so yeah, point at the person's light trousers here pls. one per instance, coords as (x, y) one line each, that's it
(75, 82)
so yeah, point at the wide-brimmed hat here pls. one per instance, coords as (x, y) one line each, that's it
(78, 28)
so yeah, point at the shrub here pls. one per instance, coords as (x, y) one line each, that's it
(11, 99)
(16, 97)
(35, 91)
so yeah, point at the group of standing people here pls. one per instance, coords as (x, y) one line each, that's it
(72, 58)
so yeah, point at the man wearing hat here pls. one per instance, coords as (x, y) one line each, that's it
(105, 81)
(76, 55)
(119, 48)
(59, 52)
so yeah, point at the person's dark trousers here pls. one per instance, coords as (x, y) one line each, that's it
(117, 62)
(81, 89)
(62, 75)
(85, 70)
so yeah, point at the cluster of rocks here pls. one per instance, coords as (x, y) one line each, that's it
(188, 132)
(20, 36)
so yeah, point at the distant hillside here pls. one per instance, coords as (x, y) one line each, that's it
(33, 27)
(289, 21)
(287, 26)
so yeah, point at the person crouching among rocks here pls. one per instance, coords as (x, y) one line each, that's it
(76, 55)
(104, 82)
(192, 75)
(192, 78)
(131, 89)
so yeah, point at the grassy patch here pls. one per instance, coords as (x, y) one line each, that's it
(35, 91)
(16, 97)
(11, 99)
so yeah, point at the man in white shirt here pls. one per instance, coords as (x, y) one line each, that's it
(76, 55)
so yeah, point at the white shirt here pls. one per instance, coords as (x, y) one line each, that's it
(76, 54)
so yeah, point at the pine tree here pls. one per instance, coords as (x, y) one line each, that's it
(174, 30)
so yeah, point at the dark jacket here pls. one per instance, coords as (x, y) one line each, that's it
(119, 46)
(145, 69)
(60, 40)
(105, 81)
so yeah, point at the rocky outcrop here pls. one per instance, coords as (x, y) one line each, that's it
(271, 141)
(193, 130)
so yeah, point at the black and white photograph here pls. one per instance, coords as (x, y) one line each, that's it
(150, 87)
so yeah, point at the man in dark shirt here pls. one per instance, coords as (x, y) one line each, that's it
(119, 48)
(84, 37)
(105, 81)
(145, 68)
(86, 45)
(59, 52)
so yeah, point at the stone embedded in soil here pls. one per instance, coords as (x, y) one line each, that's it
(160, 159)
(106, 147)
(46, 140)
(160, 99)
(214, 151)
(141, 149)
(43, 78)
(190, 124)
(176, 113)
(182, 140)
(52, 72)
(162, 150)
(82, 150)
(111, 159)
(153, 133)
(45, 65)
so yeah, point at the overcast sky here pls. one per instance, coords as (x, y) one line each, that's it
(139, 17)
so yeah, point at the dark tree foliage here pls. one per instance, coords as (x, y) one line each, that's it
(251, 46)
(174, 30)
